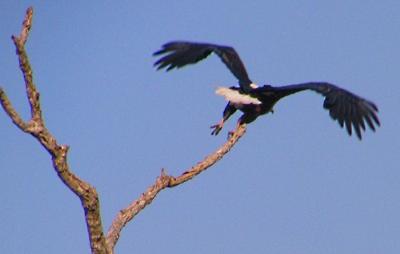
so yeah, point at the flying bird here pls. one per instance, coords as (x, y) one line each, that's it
(350, 110)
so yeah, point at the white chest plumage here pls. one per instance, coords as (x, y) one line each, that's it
(236, 98)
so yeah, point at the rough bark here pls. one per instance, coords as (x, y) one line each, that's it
(87, 194)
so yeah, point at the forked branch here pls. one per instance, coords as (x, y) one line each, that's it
(36, 127)
(86, 193)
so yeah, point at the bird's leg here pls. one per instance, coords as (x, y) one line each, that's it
(244, 119)
(239, 122)
(228, 111)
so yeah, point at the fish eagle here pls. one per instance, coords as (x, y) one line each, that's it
(349, 109)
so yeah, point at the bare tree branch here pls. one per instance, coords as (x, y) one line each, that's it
(166, 181)
(87, 193)
(36, 127)
(6, 104)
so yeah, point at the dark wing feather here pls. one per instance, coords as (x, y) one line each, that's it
(181, 53)
(347, 108)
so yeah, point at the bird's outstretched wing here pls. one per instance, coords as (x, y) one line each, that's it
(345, 107)
(181, 53)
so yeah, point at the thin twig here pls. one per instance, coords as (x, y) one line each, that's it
(19, 41)
(166, 181)
(6, 103)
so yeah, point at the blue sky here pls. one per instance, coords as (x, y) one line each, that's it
(295, 183)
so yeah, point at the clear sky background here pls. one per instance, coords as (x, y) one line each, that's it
(295, 183)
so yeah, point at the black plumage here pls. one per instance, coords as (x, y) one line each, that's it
(348, 109)
(181, 53)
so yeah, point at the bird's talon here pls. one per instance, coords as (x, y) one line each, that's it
(217, 128)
